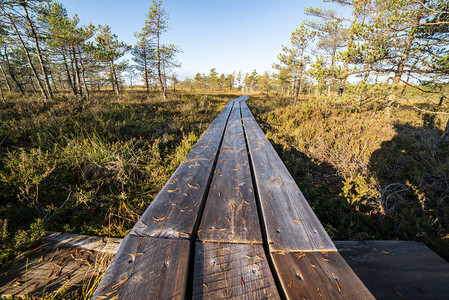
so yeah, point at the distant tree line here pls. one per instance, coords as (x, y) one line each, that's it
(214, 81)
(43, 50)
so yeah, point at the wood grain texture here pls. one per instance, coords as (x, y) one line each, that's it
(230, 214)
(232, 271)
(318, 275)
(52, 266)
(172, 214)
(291, 224)
(146, 268)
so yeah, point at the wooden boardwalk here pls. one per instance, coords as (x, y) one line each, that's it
(230, 223)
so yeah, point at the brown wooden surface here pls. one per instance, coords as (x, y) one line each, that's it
(173, 212)
(291, 224)
(393, 268)
(230, 271)
(146, 268)
(318, 275)
(54, 265)
(230, 213)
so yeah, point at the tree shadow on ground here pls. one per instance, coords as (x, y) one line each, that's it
(413, 172)
(321, 185)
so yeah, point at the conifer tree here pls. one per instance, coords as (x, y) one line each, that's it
(163, 57)
(293, 60)
(107, 49)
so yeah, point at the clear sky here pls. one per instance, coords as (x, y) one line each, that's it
(229, 35)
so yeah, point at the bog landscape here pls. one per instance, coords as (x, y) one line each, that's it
(356, 105)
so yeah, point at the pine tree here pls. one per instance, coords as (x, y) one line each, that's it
(293, 60)
(107, 49)
(164, 56)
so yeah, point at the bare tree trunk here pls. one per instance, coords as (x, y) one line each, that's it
(39, 55)
(12, 75)
(147, 84)
(27, 54)
(8, 86)
(69, 78)
(83, 76)
(298, 86)
(408, 46)
(114, 78)
(72, 67)
(77, 72)
(159, 67)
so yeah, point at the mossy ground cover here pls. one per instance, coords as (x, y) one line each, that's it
(370, 170)
(91, 167)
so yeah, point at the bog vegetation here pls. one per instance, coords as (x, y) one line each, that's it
(357, 109)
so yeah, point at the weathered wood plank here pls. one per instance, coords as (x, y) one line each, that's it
(173, 212)
(58, 262)
(390, 268)
(318, 275)
(230, 213)
(146, 268)
(230, 271)
(291, 224)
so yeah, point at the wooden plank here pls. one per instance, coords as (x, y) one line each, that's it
(52, 266)
(318, 275)
(146, 268)
(173, 213)
(291, 224)
(230, 213)
(390, 268)
(229, 271)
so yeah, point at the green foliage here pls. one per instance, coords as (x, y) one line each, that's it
(64, 30)
(11, 244)
(106, 46)
(24, 171)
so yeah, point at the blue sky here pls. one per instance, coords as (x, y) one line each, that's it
(228, 35)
